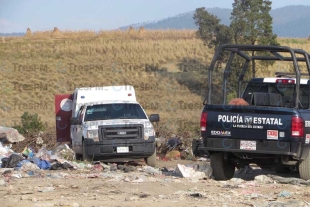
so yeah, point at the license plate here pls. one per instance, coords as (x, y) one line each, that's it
(122, 149)
(248, 145)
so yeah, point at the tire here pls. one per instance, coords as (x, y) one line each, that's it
(280, 168)
(304, 168)
(151, 161)
(222, 169)
(85, 156)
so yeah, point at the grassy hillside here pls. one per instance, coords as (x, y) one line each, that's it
(167, 68)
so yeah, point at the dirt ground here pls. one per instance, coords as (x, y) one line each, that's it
(139, 189)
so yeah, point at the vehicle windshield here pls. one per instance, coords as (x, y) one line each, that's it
(287, 92)
(114, 111)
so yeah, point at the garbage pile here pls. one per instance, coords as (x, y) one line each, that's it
(174, 147)
(31, 160)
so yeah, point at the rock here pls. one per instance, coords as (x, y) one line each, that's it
(263, 179)
(113, 167)
(120, 167)
(126, 169)
(75, 205)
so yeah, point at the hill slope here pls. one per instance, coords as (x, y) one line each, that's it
(289, 21)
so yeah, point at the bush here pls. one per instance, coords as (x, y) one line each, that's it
(30, 124)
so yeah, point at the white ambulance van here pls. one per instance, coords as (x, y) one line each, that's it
(106, 123)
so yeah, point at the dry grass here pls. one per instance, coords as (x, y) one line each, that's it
(36, 67)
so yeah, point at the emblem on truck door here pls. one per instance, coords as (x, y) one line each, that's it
(248, 120)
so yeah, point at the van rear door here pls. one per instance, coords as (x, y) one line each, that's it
(63, 111)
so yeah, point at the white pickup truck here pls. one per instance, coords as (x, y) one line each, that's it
(106, 123)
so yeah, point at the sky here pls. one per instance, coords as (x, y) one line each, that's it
(38, 15)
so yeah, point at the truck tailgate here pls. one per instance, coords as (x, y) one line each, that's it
(249, 123)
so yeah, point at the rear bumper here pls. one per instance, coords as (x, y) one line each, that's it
(296, 149)
(107, 149)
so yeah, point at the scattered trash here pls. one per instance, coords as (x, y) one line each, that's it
(263, 179)
(43, 153)
(61, 166)
(151, 170)
(245, 170)
(196, 195)
(284, 194)
(294, 181)
(41, 163)
(28, 152)
(12, 161)
(46, 189)
(64, 152)
(174, 154)
(194, 171)
(97, 167)
(29, 166)
(202, 159)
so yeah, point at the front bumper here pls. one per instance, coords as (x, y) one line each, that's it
(106, 149)
(269, 147)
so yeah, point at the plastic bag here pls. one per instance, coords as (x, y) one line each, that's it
(64, 151)
(5, 151)
(28, 152)
(12, 161)
(43, 154)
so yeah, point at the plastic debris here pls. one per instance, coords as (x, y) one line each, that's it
(285, 194)
(263, 179)
(64, 151)
(194, 171)
(43, 153)
(151, 170)
(290, 180)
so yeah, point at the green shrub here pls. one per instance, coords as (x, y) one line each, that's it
(30, 124)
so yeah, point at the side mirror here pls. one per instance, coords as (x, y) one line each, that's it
(154, 118)
(75, 121)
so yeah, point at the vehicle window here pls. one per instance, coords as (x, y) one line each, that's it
(287, 92)
(254, 87)
(114, 111)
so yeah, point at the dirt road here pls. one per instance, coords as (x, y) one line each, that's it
(89, 188)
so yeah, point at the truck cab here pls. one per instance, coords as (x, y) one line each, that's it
(106, 123)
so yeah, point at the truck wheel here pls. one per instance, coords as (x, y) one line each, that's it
(304, 168)
(222, 169)
(85, 156)
(151, 161)
(280, 168)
